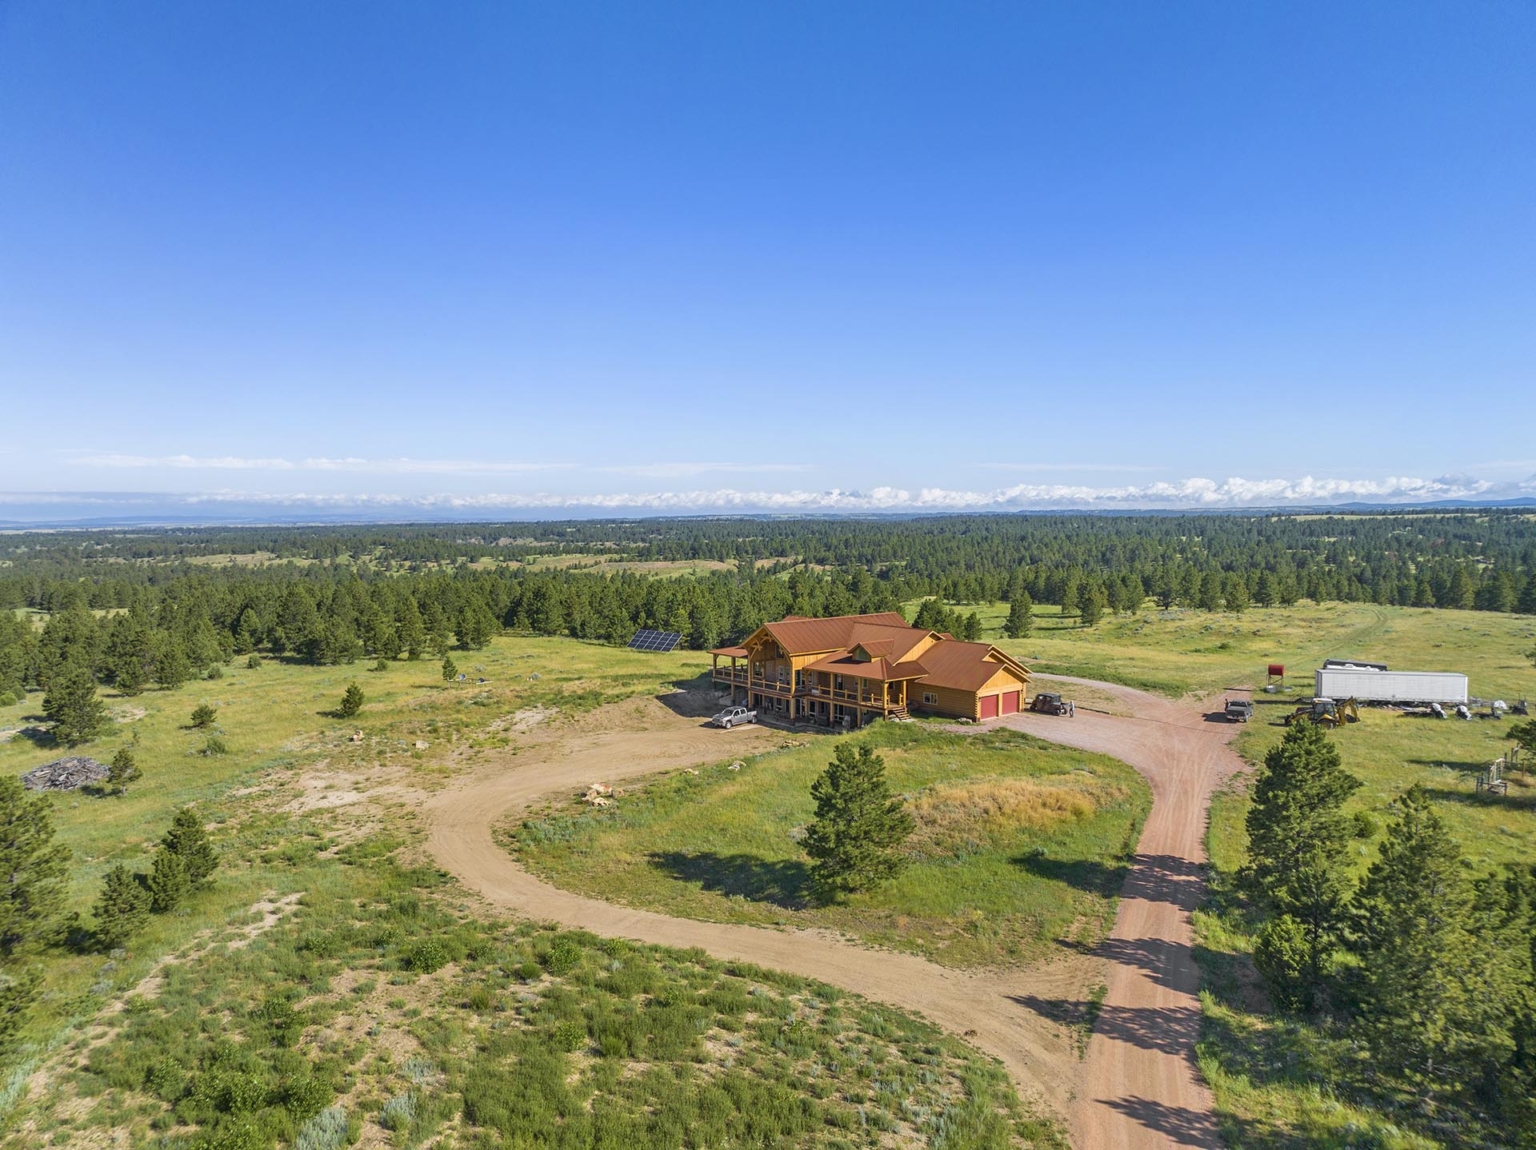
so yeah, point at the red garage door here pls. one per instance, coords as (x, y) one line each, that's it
(1010, 702)
(989, 706)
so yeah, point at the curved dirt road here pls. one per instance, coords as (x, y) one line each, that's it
(1137, 1087)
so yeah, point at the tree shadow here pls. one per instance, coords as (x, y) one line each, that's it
(1465, 766)
(39, 736)
(1169, 964)
(1155, 878)
(1181, 1126)
(1473, 799)
(784, 883)
(1088, 875)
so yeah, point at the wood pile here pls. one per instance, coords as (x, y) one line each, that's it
(67, 774)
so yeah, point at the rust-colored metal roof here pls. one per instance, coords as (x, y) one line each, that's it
(898, 649)
(732, 652)
(964, 666)
(807, 636)
(879, 669)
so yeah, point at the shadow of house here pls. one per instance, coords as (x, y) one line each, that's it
(784, 883)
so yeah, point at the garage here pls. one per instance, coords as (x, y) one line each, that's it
(1010, 702)
(988, 706)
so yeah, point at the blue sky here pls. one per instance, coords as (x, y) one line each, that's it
(848, 256)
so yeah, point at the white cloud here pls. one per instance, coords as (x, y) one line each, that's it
(1193, 494)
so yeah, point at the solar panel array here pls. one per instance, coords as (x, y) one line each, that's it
(647, 640)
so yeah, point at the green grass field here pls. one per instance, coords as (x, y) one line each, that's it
(1019, 845)
(1184, 650)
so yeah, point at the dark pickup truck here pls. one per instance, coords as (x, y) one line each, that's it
(1239, 710)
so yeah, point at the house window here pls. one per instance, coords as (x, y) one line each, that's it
(930, 699)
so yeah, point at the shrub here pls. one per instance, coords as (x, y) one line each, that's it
(204, 716)
(1282, 957)
(382, 664)
(425, 956)
(6, 698)
(327, 1130)
(569, 1036)
(529, 971)
(253, 663)
(398, 1113)
(1363, 825)
(166, 1079)
(215, 672)
(563, 956)
(215, 746)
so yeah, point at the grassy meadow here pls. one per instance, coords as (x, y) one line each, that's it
(378, 1013)
(1187, 651)
(1020, 844)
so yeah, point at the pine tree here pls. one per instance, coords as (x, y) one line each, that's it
(1265, 593)
(413, 632)
(204, 716)
(124, 770)
(188, 839)
(1461, 593)
(351, 702)
(172, 667)
(1417, 953)
(35, 869)
(858, 825)
(122, 908)
(932, 616)
(450, 670)
(19, 989)
(1297, 838)
(1526, 604)
(168, 882)
(77, 714)
(1021, 617)
(1092, 608)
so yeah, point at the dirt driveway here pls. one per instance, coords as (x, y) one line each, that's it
(1140, 1086)
(1137, 1087)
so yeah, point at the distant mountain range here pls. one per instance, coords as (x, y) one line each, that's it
(124, 510)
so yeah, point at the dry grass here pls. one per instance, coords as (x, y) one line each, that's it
(986, 807)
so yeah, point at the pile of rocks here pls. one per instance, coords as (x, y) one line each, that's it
(67, 774)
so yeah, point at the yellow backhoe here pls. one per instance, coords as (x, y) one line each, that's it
(1326, 713)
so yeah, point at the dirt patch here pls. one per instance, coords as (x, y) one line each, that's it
(525, 720)
(324, 791)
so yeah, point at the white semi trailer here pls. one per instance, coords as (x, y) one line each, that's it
(1445, 687)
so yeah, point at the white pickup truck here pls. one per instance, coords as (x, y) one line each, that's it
(733, 716)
